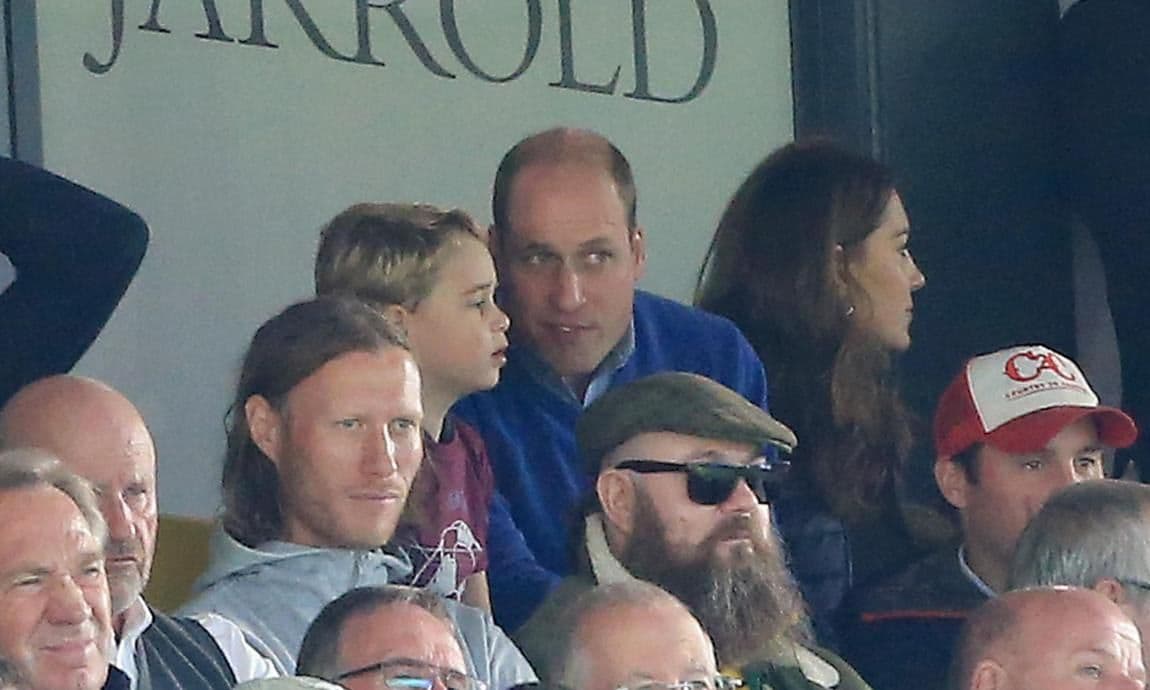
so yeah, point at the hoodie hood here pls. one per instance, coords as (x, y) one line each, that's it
(231, 558)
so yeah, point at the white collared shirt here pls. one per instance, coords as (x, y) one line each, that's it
(246, 662)
(136, 620)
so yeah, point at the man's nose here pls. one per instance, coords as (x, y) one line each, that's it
(379, 454)
(742, 498)
(568, 290)
(118, 516)
(66, 603)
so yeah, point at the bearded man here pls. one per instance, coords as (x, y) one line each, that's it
(685, 471)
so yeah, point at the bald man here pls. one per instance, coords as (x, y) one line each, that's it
(1049, 638)
(100, 435)
(630, 634)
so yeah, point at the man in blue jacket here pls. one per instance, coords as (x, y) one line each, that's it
(569, 252)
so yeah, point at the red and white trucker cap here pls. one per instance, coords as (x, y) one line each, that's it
(1018, 399)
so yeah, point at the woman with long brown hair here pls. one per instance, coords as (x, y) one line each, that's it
(811, 261)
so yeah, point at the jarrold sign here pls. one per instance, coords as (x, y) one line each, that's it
(254, 35)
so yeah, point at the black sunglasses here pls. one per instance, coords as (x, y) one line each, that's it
(711, 483)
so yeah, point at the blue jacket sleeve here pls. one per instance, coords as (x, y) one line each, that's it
(518, 582)
(74, 252)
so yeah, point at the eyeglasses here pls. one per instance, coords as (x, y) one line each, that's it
(713, 683)
(711, 483)
(410, 674)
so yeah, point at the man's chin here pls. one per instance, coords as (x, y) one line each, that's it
(124, 593)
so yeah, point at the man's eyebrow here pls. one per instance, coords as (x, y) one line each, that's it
(396, 660)
(1047, 453)
(535, 246)
(23, 569)
(713, 455)
(90, 556)
(598, 241)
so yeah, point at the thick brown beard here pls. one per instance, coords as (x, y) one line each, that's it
(748, 603)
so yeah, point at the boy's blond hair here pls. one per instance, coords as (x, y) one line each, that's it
(387, 254)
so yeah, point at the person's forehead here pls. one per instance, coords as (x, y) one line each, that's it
(95, 431)
(557, 191)
(1078, 436)
(667, 445)
(41, 523)
(1066, 622)
(651, 640)
(114, 459)
(398, 630)
(392, 367)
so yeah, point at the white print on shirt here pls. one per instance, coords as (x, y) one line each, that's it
(456, 543)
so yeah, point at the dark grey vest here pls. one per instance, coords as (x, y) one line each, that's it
(178, 654)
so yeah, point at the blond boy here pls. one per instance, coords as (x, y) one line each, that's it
(428, 270)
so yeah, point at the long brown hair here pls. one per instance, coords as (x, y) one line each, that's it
(287, 349)
(772, 269)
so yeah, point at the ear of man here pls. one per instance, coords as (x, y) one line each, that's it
(638, 241)
(952, 481)
(1111, 589)
(265, 425)
(616, 492)
(988, 675)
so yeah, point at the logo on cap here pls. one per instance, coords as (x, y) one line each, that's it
(1029, 365)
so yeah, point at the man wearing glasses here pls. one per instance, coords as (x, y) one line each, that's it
(388, 637)
(1093, 535)
(686, 470)
(633, 636)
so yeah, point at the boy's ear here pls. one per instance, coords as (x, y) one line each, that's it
(265, 425)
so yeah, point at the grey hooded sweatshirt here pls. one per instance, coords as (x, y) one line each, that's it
(273, 593)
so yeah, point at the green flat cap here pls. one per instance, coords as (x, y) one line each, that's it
(677, 402)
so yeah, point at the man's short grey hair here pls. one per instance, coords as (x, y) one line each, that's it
(1086, 533)
(319, 652)
(567, 667)
(30, 468)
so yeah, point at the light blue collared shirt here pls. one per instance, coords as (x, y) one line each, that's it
(973, 576)
(600, 381)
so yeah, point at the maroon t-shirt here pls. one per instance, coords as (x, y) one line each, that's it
(451, 542)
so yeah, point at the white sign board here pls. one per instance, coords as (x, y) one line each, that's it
(238, 127)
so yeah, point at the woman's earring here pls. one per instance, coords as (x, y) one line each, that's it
(850, 310)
